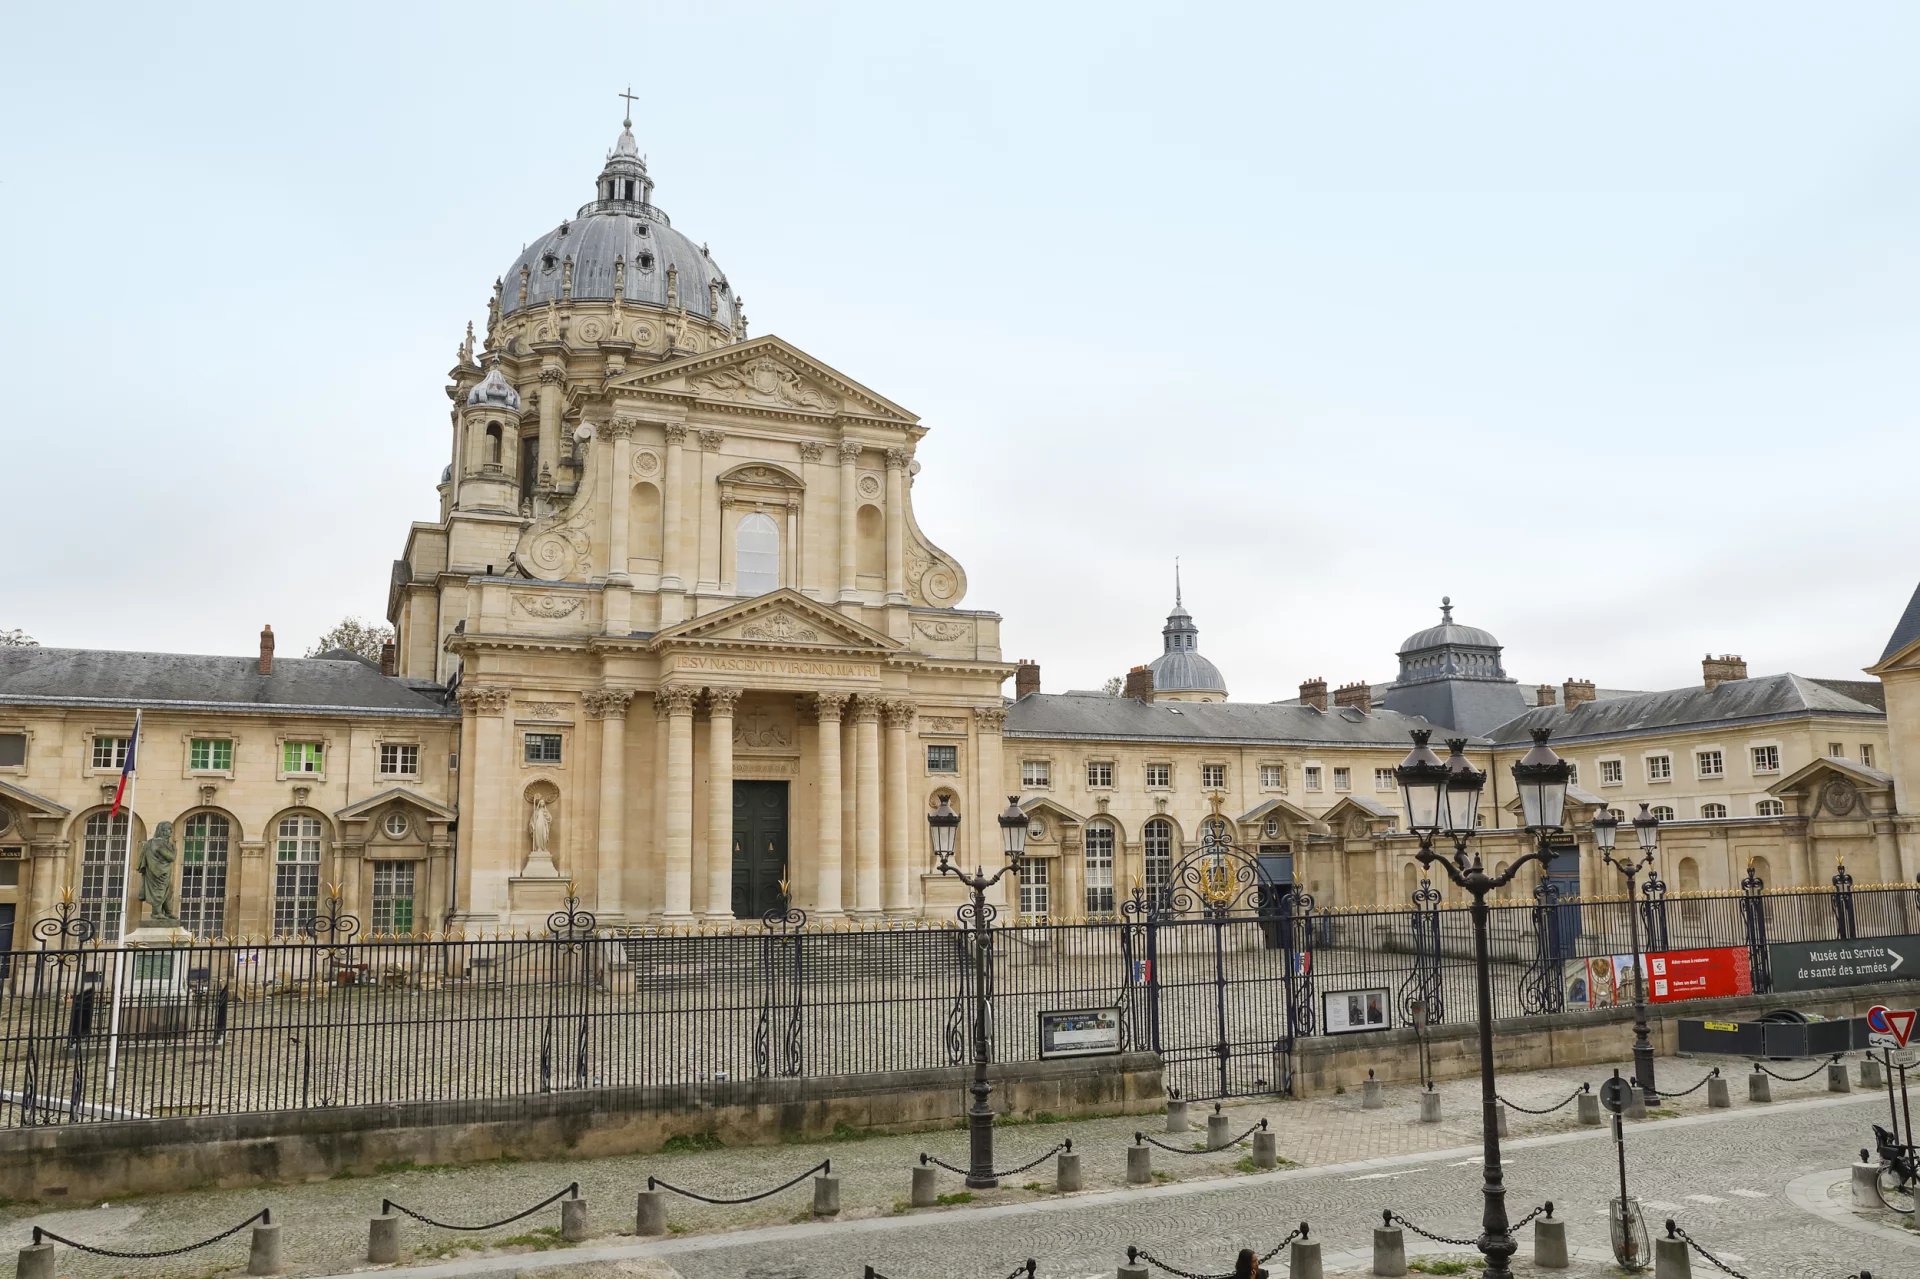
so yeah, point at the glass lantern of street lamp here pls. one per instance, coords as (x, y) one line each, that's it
(944, 824)
(1422, 778)
(1646, 828)
(1542, 778)
(1606, 828)
(1460, 799)
(1014, 825)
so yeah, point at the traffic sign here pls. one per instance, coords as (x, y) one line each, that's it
(1613, 1095)
(1889, 1027)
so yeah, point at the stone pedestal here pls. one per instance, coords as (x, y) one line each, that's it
(1671, 1259)
(1218, 1130)
(925, 1192)
(1864, 1194)
(650, 1216)
(1587, 1106)
(826, 1195)
(1139, 1165)
(1066, 1173)
(1303, 1260)
(36, 1262)
(1429, 1107)
(383, 1239)
(263, 1257)
(1266, 1149)
(1719, 1097)
(1177, 1115)
(1871, 1074)
(1759, 1087)
(1373, 1095)
(1837, 1080)
(1389, 1251)
(1549, 1243)
(573, 1220)
(1636, 1102)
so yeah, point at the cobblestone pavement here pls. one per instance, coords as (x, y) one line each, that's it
(1723, 1173)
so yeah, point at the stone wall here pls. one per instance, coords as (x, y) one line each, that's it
(89, 1162)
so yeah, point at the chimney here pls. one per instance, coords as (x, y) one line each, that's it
(1314, 693)
(1724, 669)
(1576, 691)
(1139, 684)
(1026, 678)
(266, 650)
(1543, 695)
(389, 658)
(1358, 695)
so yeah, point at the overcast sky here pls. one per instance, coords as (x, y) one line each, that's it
(1602, 320)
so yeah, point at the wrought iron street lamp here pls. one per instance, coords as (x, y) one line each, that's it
(1444, 798)
(1646, 830)
(978, 915)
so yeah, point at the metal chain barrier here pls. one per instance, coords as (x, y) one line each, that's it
(1139, 1137)
(1136, 1254)
(1025, 1270)
(1390, 1217)
(1546, 1208)
(654, 1183)
(1528, 1110)
(41, 1235)
(1675, 1232)
(569, 1192)
(1066, 1146)
(1704, 1081)
(1794, 1079)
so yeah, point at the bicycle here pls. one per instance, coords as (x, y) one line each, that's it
(1899, 1175)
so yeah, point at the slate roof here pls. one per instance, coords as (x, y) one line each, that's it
(1869, 691)
(1906, 630)
(1767, 697)
(107, 677)
(1099, 717)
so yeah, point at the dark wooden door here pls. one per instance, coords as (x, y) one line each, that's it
(759, 847)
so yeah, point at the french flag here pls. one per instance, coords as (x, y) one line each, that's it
(126, 769)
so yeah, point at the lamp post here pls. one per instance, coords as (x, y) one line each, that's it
(978, 915)
(1443, 798)
(1646, 830)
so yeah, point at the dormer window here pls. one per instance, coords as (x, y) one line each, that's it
(548, 262)
(646, 261)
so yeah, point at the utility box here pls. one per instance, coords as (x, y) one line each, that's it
(1769, 1038)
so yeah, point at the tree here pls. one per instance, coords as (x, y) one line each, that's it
(17, 639)
(1114, 686)
(357, 637)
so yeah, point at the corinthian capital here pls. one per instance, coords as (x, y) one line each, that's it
(721, 701)
(674, 699)
(898, 714)
(990, 719)
(897, 459)
(711, 438)
(553, 376)
(864, 708)
(850, 451)
(824, 708)
(676, 432)
(607, 703)
(812, 451)
(622, 428)
(484, 699)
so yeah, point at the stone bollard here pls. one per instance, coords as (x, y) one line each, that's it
(1266, 1149)
(1671, 1259)
(383, 1239)
(826, 1195)
(36, 1262)
(925, 1192)
(1218, 1124)
(1636, 1102)
(1587, 1106)
(1429, 1107)
(1389, 1251)
(1759, 1086)
(1373, 1095)
(1500, 1118)
(573, 1220)
(1139, 1165)
(263, 1256)
(1066, 1173)
(1719, 1097)
(1177, 1115)
(1303, 1260)
(1549, 1241)
(1132, 1267)
(1871, 1075)
(650, 1216)
(1837, 1080)
(1864, 1194)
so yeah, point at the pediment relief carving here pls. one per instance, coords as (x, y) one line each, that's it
(782, 627)
(785, 617)
(765, 380)
(763, 374)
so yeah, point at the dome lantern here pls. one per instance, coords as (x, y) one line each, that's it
(1180, 674)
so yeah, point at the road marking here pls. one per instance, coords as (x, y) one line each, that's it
(1468, 1163)
(1747, 1194)
(1377, 1176)
(1705, 1199)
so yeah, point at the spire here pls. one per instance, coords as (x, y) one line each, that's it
(1176, 581)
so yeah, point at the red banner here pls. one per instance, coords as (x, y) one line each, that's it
(1698, 974)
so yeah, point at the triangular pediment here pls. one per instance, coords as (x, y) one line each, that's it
(783, 619)
(764, 374)
(1283, 811)
(1814, 776)
(394, 794)
(40, 805)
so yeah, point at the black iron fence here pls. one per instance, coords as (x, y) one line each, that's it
(91, 1033)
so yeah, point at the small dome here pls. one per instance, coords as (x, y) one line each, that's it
(1182, 670)
(446, 473)
(493, 389)
(1448, 634)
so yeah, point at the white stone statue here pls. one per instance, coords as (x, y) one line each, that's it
(540, 825)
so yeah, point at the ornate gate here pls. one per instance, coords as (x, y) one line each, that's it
(1226, 970)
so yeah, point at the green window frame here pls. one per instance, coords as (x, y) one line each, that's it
(302, 757)
(210, 754)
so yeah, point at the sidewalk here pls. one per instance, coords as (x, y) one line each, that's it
(325, 1224)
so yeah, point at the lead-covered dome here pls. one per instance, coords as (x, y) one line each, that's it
(1450, 649)
(1180, 673)
(621, 244)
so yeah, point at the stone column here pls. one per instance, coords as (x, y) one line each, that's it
(707, 568)
(728, 528)
(609, 706)
(677, 873)
(849, 509)
(720, 706)
(654, 868)
(553, 390)
(897, 460)
(1070, 875)
(896, 851)
(990, 785)
(672, 482)
(826, 708)
(806, 547)
(618, 598)
(866, 773)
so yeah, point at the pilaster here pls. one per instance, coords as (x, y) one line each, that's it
(825, 710)
(896, 854)
(720, 707)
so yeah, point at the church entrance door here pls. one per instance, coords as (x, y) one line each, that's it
(759, 847)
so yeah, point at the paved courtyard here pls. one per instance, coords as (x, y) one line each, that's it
(1749, 1183)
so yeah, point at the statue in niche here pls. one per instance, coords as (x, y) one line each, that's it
(155, 868)
(540, 826)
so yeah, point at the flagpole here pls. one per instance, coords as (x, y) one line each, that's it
(120, 942)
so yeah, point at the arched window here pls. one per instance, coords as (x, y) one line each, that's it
(1157, 841)
(1099, 867)
(1663, 812)
(1713, 811)
(103, 874)
(1770, 808)
(204, 844)
(493, 444)
(296, 872)
(756, 555)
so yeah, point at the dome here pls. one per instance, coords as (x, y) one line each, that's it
(1181, 670)
(621, 243)
(495, 389)
(1449, 634)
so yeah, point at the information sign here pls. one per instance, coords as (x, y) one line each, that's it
(1079, 1032)
(1345, 1011)
(1810, 965)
